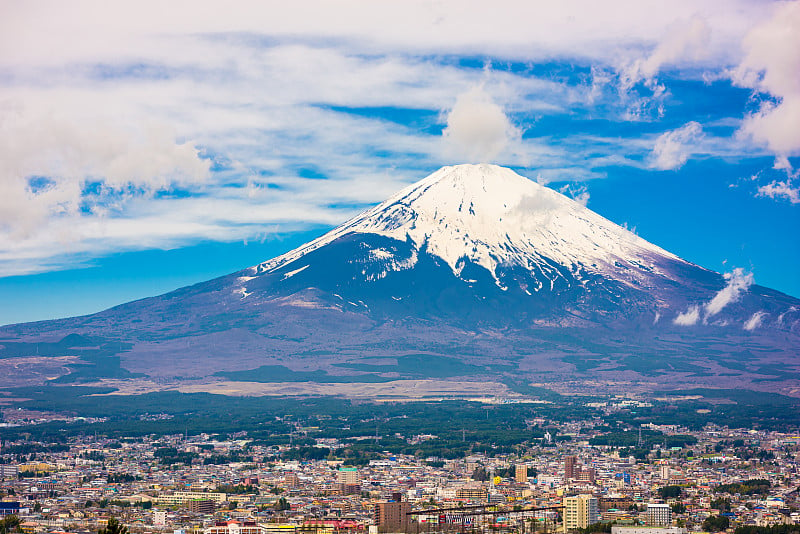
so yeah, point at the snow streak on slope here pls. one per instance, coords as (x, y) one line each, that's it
(493, 217)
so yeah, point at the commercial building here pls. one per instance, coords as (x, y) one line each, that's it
(182, 497)
(201, 506)
(291, 480)
(159, 518)
(280, 528)
(348, 476)
(233, 527)
(392, 516)
(574, 471)
(569, 466)
(658, 515)
(666, 472)
(621, 502)
(472, 493)
(348, 489)
(585, 475)
(8, 471)
(521, 473)
(9, 508)
(647, 530)
(580, 511)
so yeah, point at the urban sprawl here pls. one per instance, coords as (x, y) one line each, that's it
(724, 480)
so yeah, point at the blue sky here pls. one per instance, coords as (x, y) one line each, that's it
(143, 149)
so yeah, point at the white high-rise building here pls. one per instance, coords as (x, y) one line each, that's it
(159, 518)
(580, 511)
(659, 515)
(666, 472)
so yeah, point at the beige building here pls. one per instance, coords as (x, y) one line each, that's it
(348, 476)
(182, 497)
(472, 493)
(580, 511)
(521, 473)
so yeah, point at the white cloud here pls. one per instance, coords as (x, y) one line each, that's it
(67, 152)
(755, 320)
(128, 102)
(684, 40)
(782, 163)
(738, 282)
(672, 149)
(477, 128)
(780, 189)
(506, 28)
(771, 64)
(689, 317)
(579, 193)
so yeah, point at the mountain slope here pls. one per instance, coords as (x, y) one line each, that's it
(466, 231)
(474, 264)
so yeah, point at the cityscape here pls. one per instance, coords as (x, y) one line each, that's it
(717, 479)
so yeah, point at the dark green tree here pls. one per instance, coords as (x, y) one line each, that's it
(721, 504)
(113, 527)
(715, 523)
(668, 492)
(9, 523)
(678, 508)
(480, 474)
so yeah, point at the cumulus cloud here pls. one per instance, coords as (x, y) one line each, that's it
(478, 129)
(672, 149)
(771, 64)
(48, 158)
(689, 317)
(780, 189)
(754, 321)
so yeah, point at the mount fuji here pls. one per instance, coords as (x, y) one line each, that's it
(474, 272)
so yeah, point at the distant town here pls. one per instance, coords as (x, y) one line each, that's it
(719, 480)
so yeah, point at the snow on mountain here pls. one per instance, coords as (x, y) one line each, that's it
(493, 217)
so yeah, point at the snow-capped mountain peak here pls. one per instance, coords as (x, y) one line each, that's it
(491, 216)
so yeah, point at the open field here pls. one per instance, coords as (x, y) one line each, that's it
(395, 390)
